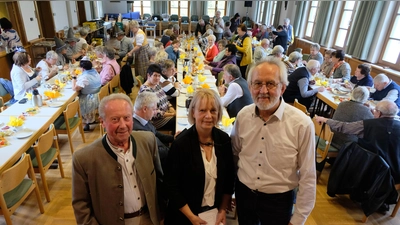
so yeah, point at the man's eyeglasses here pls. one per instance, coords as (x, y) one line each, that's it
(269, 85)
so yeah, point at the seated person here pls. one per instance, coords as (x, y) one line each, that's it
(48, 65)
(82, 40)
(386, 89)
(263, 34)
(23, 77)
(327, 65)
(88, 84)
(277, 52)
(159, 45)
(262, 51)
(227, 35)
(211, 50)
(351, 111)
(144, 109)
(167, 81)
(380, 135)
(361, 76)
(61, 50)
(293, 62)
(126, 44)
(108, 66)
(298, 87)
(172, 38)
(229, 58)
(315, 54)
(72, 54)
(166, 37)
(165, 114)
(236, 95)
(221, 47)
(152, 54)
(340, 69)
(173, 51)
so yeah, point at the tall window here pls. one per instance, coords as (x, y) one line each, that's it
(142, 6)
(311, 18)
(271, 21)
(345, 24)
(213, 6)
(180, 8)
(261, 6)
(391, 49)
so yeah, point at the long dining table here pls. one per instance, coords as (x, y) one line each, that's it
(181, 110)
(35, 124)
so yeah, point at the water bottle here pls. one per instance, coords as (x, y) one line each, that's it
(330, 81)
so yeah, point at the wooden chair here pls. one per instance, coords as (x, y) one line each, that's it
(301, 107)
(68, 122)
(46, 151)
(15, 187)
(395, 209)
(185, 24)
(220, 79)
(194, 20)
(323, 139)
(104, 91)
(114, 85)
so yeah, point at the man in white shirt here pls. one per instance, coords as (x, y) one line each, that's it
(218, 25)
(274, 146)
(48, 65)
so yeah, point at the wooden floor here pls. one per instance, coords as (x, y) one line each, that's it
(327, 211)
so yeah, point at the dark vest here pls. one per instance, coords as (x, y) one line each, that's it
(382, 136)
(379, 95)
(293, 91)
(237, 104)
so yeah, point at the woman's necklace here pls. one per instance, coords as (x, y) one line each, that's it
(207, 143)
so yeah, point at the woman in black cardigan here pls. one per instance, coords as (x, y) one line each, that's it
(200, 169)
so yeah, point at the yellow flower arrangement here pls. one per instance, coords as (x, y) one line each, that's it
(226, 121)
(15, 122)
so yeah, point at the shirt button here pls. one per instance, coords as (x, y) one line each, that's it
(265, 124)
(127, 160)
(258, 178)
(120, 185)
(138, 198)
(120, 218)
(259, 164)
(131, 173)
(118, 168)
(262, 138)
(260, 151)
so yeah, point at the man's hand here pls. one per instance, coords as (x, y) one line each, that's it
(222, 90)
(320, 119)
(221, 217)
(195, 220)
(38, 69)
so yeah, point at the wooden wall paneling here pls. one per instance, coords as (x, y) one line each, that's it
(16, 20)
(45, 18)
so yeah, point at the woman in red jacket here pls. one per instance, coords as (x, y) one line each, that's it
(212, 49)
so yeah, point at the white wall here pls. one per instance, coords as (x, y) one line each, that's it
(72, 13)
(31, 24)
(88, 10)
(60, 14)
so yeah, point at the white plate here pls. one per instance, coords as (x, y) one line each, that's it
(23, 134)
(68, 86)
(55, 104)
(181, 106)
(183, 122)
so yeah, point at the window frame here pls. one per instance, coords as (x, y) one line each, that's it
(261, 6)
(142, 7)
(396, 65)
(308, 20)
(273, 12)
(223, 12)
(179, 8)
(348, 28)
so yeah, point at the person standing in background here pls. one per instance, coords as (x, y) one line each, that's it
(235, 21)
(289, 29)
(9, 39)
(218, 26)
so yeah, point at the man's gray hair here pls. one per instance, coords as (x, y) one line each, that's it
(145, 98)
(112, 97)
(294, 56)
(109, 52)
(360, 94)
(286, 20)
(272, 61)
(312, 64)
(233, 70)
(381, 78)
(315, 46)
(265, 41)
(387, 108)
(152, 52)
(277, 50)
(51, 55)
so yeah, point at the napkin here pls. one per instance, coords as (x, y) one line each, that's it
(190, 89)
(187, 80)
(28, 95)
(226, 121)
(51, 94)
(201, 78)
(15, 122)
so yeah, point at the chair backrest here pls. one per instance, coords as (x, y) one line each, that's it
(146, 15)
(194, 18)
(206, 18)
(104, 91)
(156, 16)
(323, 135)
(184, 19)
(114, 83)
(300, 106)
(225, 18)
(13, 176)
(174, 17)
(220, 79)
(140, 80)
(72, 109)
(45, 141)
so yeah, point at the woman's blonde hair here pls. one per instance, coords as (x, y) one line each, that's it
(209, 95)
(133, 23)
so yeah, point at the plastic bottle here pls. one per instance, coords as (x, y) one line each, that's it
(330, 81)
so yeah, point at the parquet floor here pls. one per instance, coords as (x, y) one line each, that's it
(327, 211)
